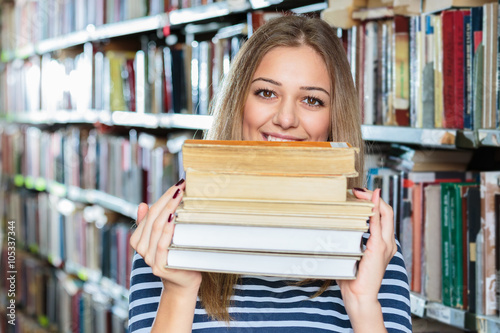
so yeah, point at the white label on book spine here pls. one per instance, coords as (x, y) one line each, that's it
(339, 145)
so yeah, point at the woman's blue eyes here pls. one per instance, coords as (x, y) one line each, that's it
(309, 100)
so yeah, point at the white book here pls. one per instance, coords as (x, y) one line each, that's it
(269, 239)
(283, 265)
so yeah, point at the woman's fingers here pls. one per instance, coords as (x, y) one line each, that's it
(375, 225)
(142, 211)
(164, 240)
(140, 238)
(154, 215)
(164, 219)
(383, 226)
(387, 220)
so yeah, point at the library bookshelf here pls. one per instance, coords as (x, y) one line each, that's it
(119, 124)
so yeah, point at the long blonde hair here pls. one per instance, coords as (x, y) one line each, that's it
(227, 110)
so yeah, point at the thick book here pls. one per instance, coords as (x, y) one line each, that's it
(283, 265)
(266, 157)
(269, 239)
(352, 207)
(209, 184)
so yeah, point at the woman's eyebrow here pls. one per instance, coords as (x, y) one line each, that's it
(315, 88)
(267, 80)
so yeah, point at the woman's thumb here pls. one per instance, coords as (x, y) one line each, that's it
(142, 211)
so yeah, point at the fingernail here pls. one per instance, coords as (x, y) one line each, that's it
(176, 193)
(170, 218)
(359, 189)
(380, 193)
(180, 182)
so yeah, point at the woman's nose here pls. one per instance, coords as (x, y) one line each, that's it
(286, 115)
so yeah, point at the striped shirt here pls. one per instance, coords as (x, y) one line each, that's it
(269, 304)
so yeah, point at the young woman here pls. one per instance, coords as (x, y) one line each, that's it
(291, 81)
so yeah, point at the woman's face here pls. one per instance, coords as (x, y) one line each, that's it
(289, 97)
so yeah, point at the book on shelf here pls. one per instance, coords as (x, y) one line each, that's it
(453, 67)
(473, 228)
(401, 74)
(431, 260)
(285, 265)
(261, 157)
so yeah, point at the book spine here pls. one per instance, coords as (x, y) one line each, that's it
(449, 58)
(438, 72)
(468, 72)
(428, 75)
(401, 69)
(474, 227)
(456, 245)
(446, 245)
(417, 237)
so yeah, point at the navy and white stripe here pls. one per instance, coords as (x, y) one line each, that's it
(269, 304)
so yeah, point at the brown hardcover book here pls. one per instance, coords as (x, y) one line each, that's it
(208, 184)
(270, 158)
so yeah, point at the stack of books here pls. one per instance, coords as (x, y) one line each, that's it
(269, 208)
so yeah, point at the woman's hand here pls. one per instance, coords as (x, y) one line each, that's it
(360, 295)
(151, 239)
